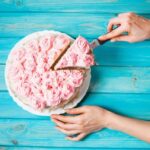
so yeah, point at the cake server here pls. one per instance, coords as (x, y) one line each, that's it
(97, 42)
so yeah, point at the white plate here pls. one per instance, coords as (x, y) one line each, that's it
(46, 112)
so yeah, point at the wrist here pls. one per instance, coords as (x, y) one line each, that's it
(112, 120)
(149, 30)
(107, 119)
(115, 121)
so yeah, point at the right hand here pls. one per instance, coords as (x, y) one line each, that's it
(137, 27)
(86, 119)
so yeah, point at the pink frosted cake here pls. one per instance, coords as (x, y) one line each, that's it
(30, 78)
(78, 55)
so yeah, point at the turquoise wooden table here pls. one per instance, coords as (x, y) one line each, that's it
(121, 84)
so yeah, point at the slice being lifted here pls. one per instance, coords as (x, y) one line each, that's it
(79, 55)
(60, 45)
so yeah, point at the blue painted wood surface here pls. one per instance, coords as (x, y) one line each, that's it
(121, 83)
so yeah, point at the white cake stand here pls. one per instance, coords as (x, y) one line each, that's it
(45, 112)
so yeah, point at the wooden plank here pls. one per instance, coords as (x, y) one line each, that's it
(96, 6)
(6, 45)
(20, 24)
(88, 25)
(133, 105)
(123, 54)
(112, 79)
(40, 148)
(42, 133)
(110, 54)
(58, 148)
(120, 79)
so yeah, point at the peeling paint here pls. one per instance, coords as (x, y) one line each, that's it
(19, 127)
(15, 142)
(19, 3)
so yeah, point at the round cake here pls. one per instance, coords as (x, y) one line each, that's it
(32, 81)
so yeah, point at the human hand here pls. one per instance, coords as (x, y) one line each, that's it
(137, 27)
(87, 120)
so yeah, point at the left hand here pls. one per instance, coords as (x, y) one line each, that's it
(87, 120)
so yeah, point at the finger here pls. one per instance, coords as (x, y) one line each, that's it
(113, 33)
(67, 119)
(122, 14)
(77, 138)
(66, 126)
(112, 22)
(122, 38)
(76, 111)
(59, 123)
(68, 132)
(126, 14)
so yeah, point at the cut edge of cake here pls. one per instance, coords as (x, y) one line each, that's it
(58, 57)
(88, 57)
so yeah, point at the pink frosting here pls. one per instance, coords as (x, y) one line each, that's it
(82, 44)
(32, 45)
(78, 55)
(46, 42)
(60, 41)
(31, 78)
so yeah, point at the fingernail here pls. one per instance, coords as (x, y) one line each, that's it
(112, 40)
(54, 115)
(52, 119)
(102, 37)
(67, 110)
(57, 128)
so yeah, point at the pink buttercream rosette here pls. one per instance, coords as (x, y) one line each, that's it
(40, 60)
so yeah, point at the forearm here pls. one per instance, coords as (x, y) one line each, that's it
(134, 127)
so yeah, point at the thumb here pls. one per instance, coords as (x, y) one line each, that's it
(115, 33)
(74, 111)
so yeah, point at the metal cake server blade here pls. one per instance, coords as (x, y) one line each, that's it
(97, 42)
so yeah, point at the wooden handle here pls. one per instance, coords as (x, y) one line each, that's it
(101, 42)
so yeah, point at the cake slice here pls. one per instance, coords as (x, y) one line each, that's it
(79, 55)
(60, 45)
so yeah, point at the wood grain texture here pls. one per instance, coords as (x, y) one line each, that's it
(36, 133)
(58, 148)
(78, 6)
(109, 54)
(74, 24)
(20, 24)
(111, 79)
(132, 105)
(121, 84)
